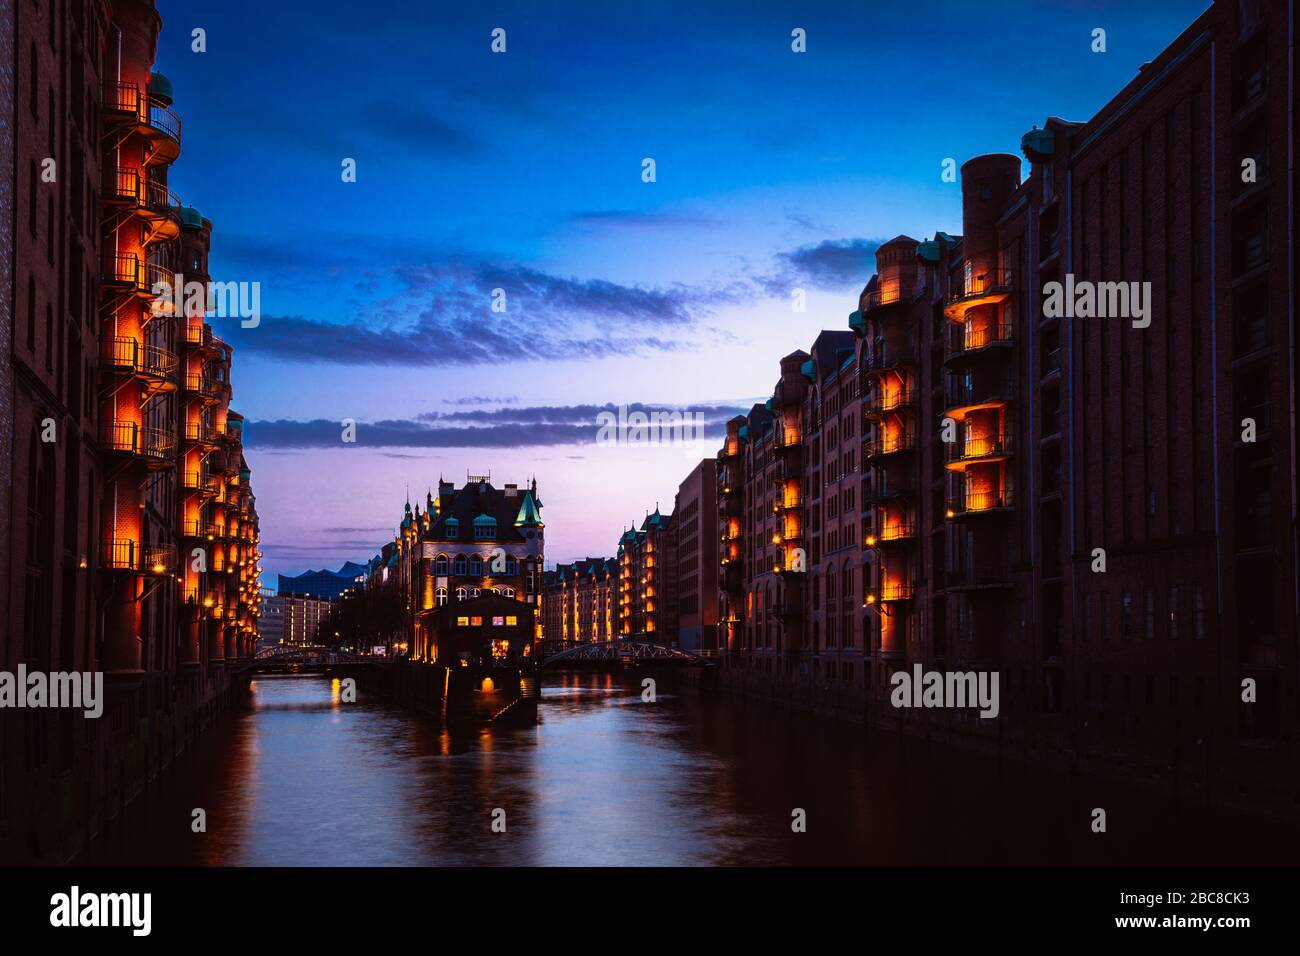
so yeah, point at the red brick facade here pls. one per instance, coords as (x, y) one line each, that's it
(999, 446)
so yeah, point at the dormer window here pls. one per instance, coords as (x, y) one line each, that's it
(451, 528)
(485, 528)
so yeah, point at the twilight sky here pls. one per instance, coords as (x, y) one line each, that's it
(522, 171)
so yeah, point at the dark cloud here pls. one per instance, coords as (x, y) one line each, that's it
(546, 317)
(830, 264)
(481, 400)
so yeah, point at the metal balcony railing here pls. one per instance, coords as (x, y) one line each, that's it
(157, 362)
(119, 554)
(974, 502)
(881, 297)
(880, 401)
(978, 391)
(122, 98)
(158, 559)
(896, 591)
(891, 443)
(122, 184)
(166, 120)
(156, 443)
(964, 338)
(972, 447)
(978, 286)
(117, 435)
(898, 529)
(123, 269)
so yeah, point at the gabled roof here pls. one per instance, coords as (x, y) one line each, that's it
(477, 503)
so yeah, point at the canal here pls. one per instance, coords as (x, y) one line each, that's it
(299, 779)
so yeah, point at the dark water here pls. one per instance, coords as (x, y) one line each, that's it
(300, 779)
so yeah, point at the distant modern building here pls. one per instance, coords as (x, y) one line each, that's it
(323, 584)
(271, 624)
(297, 617)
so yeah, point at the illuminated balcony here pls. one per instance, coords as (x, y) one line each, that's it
(153, 445)
(202, 433)
(126, 356)
(882, 401)
(127, 110)
(893, 442)
(199, 338)
(787, 438)
(120, 554)
(967, 342)
(899, 528)
(985, 289)
(972, 393)
(203, 387)
(978, 449)
(896, 591)
(790, 500)
(158, 559)
(881, 298)
(123, 272)
(974, 503)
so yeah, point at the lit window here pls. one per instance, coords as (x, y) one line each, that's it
(476, 621)
(462, 622)
(511, 620)
(498, 621)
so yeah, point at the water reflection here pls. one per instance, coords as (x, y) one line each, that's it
(302, 779)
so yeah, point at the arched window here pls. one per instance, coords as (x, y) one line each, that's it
(475, 566)
(459, 565)
(512, 566)
(508, 592)
(460, 594)
(440, 565)
(440, 597)
(474, 592)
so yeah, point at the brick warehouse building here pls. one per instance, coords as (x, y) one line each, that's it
(131, 529)
(1001, 446)
(662, 585)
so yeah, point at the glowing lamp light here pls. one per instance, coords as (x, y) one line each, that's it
(950, 513)
(871, 599)
(207, 602)
(158, 568)
(871, 541)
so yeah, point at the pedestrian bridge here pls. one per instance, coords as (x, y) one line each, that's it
(620, 651)
(301, 657)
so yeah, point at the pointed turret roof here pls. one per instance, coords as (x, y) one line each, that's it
(530, 513)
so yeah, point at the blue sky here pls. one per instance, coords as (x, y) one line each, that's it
(522, 171)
